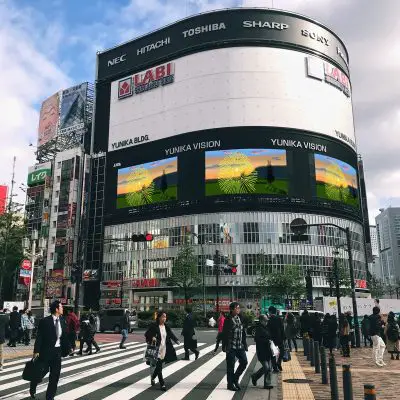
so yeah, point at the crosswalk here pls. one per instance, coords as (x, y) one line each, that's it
(123, 375)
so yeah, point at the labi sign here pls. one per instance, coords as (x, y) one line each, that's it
(38, 177)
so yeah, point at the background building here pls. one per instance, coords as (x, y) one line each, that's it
(55, 189)
(222, 127)
(375, 265)
(388, 230)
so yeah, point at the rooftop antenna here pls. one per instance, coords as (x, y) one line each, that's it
(10, 201)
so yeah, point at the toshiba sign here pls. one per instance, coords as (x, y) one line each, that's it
(146, 80)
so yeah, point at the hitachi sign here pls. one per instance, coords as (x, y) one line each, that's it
(116, 60)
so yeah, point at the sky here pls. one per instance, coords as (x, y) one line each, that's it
(48, 45)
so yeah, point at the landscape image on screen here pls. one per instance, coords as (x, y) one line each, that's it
(246, 171)
(153, 182)
(336, 180)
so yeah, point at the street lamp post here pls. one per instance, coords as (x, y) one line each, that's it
(299, 227)
(337, 284)
(203, 272)
(29, 245)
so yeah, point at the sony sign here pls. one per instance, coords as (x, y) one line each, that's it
(116, 60)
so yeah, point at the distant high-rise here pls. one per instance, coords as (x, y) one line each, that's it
(388, 230)
(374, 266)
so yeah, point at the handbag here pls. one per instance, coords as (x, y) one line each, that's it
(34, 370)
(151, 353)
(274, 349)
(286, 354)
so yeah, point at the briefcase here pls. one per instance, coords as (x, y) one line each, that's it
(34, 370)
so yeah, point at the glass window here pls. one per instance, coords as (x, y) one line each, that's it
(251, 232)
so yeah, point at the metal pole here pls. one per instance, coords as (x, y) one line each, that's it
(217, 277)
(312, 355)
(333, 378)
(204, 281)
(307, 348)
(369, 392)
(316, 358)
(324, 368)
(339, 306)
(121, 293)
(353, 289)
(33, 254)
(347, 384)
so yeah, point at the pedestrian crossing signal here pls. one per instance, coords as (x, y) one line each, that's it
(148, 237)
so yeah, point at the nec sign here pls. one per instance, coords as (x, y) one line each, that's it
(116, 60)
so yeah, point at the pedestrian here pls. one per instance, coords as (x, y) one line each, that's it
(125, 325)
(349, 318)
(15, 326)
(84, 334)
(392, 333)
(160, 333)
(329, 329)
(365, 328)
(344, 332)
(291, 330)
(20, 329)
(375, 330)
(50, 346)
(234, 344)
(189, 335)
(220, 321)
(275, 326)
(92, 333)
(317, 328)
(73, 327)
(262, 338)
(3, 325)
(305, 324)
(27, 324)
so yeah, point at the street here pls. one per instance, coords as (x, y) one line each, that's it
(122, 374)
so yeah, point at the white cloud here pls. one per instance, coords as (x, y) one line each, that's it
(27, 76)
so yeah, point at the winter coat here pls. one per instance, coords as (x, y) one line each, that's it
(221, 321)
(262, 339)
(329, 328)
(125, 322)
(15, 320)
(392, 345)
(227, 334)
(3, 325)
(154, 332)
(291, 330)
(188, 327)
(305, 323)
(275, 326)
(73, 324)
(317, 331)
(375, 325)
(365, 326)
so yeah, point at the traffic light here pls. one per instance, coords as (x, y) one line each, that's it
(148, 237)
(230, 269)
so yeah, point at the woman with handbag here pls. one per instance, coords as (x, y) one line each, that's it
(160, 333)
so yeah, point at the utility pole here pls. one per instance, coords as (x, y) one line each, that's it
(216, 264)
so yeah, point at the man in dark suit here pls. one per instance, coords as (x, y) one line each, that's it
(234, 344)
(51, 344)
(3, 325)
(15, 326)
(275, 327)
(188, 333)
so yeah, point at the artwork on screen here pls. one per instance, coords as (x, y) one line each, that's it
(149, 183)
(246, 171)
(336, 180)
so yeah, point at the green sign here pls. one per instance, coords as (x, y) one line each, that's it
(38, 177)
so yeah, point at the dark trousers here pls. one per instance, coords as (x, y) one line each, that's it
(72, 339)
(219, 340)
(266, 371)
(189, 345)
(369, 340)
(53, 363)
(158, 372)
(232, 375)
(353, 339)
(344, 342)
(27, 336)
(13, 337)
(290, 344)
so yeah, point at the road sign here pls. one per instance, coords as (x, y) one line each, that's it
(26, 264)
(298, 226)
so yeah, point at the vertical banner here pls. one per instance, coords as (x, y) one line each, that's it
(48, 120)
(73, 107)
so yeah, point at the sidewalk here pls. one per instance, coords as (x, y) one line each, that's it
(15, 352)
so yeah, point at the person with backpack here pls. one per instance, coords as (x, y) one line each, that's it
(291, 330)
(344, 333)
(392, 333)
(305, 324)
(329, 328)
(365, 328)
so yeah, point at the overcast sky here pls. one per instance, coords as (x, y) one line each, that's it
(53, 46)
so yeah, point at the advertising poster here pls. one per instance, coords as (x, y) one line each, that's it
(48, 119)
(38, 173)
(54, 285)
(72, 111)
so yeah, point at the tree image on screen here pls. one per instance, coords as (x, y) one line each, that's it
(149, 183)
(246, 171)
(336, 180)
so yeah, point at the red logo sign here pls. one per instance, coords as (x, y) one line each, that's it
(361, 283)
(125, 88)
(26, 264)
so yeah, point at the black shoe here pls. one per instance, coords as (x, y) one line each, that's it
(236, 383)
(232, 388)
(163, 388)
(197, 355)
(90, 353)
(268, 387)
(121, 347)
(280, 367)
(185, 359)
(97, 350)
(253, 380)
(79, 353)
(275, 371)
(86, 351)
(152, 382)
(32, 394)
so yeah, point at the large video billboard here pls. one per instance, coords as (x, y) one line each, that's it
(48, 119)
(73, 108)
(227, 88)
(229, 169)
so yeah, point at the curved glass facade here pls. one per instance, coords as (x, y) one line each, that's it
(241, 236)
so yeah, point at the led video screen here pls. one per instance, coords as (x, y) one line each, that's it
(246, 171)
(336, 180)
(149, 183)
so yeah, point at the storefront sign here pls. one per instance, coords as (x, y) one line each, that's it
(37, 174)
(361, 283)
(145, 283)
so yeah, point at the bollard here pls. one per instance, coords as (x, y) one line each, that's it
(369, 392)
(324, 368)
(333, 378)
(307, 348)
(316, 358)
(347, 383)
(312, 355)
(304, 346)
